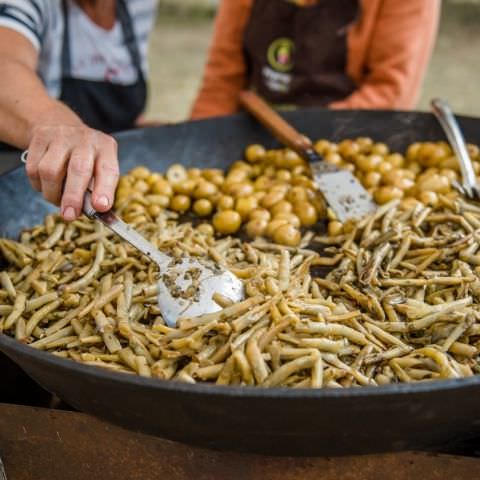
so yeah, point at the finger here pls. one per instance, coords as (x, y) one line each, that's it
(106, 175)
(36, 150)
(52, 169)
(79, 174)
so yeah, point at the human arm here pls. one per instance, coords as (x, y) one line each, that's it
(64, 153)
(225, 72)
(397, 56)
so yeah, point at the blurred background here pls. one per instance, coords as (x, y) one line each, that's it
(182, 35)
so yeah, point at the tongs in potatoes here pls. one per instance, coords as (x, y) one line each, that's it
(186, 284)
(344, 193)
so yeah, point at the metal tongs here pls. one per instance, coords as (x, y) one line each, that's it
(186, 285)
(346, 196)
(3, 475)
(469, 186)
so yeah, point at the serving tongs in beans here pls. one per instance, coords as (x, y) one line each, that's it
(469, 186)
(187, 286)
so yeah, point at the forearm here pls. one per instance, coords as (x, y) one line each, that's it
(373, 96)
(64, 154)
(25, 104)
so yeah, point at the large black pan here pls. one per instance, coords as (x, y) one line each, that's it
(276, 421)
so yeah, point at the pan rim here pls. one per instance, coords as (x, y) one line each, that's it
(46, 358)
(293, 113)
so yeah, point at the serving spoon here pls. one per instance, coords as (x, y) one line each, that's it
(186, 284)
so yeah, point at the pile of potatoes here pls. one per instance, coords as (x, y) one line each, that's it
(424, 172)
(268, 194)
(271, 194)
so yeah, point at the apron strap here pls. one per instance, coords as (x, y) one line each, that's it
(128, 34)
(66, 63)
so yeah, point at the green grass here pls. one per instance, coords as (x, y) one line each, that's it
(177, 55)
(454, 72)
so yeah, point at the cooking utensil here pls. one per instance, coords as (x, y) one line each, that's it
(444, 114)
(202, 276)
(344, 193)
(3, 475)
(319, 422)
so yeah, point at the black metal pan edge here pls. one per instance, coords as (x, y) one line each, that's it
(9, 345)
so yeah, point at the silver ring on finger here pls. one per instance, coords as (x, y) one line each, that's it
(23, 156)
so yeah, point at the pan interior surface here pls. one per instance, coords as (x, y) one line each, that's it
(277, 421)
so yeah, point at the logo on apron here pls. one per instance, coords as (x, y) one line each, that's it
(275, 72)
(280, 54)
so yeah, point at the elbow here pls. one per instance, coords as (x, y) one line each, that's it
(395, 91)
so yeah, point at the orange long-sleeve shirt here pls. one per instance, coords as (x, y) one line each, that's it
(388, 50)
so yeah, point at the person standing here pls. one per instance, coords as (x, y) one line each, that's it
(323, 53)
(71, 73)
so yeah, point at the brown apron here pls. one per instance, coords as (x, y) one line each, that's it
(297, 55)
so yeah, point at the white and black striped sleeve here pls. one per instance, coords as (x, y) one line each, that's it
(27, 17)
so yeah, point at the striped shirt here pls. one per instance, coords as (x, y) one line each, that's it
(96, 53)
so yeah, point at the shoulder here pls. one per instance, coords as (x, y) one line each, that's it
(31, 18)
(35, 11)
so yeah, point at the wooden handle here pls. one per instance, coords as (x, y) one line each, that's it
(271, 120)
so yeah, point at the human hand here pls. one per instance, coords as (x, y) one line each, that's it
(63, 160)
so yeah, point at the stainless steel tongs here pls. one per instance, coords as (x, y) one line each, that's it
(469, 186)
(3, 475)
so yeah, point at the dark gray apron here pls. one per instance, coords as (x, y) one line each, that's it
(298, 54)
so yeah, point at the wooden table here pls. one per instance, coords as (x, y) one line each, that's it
(42, 444)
